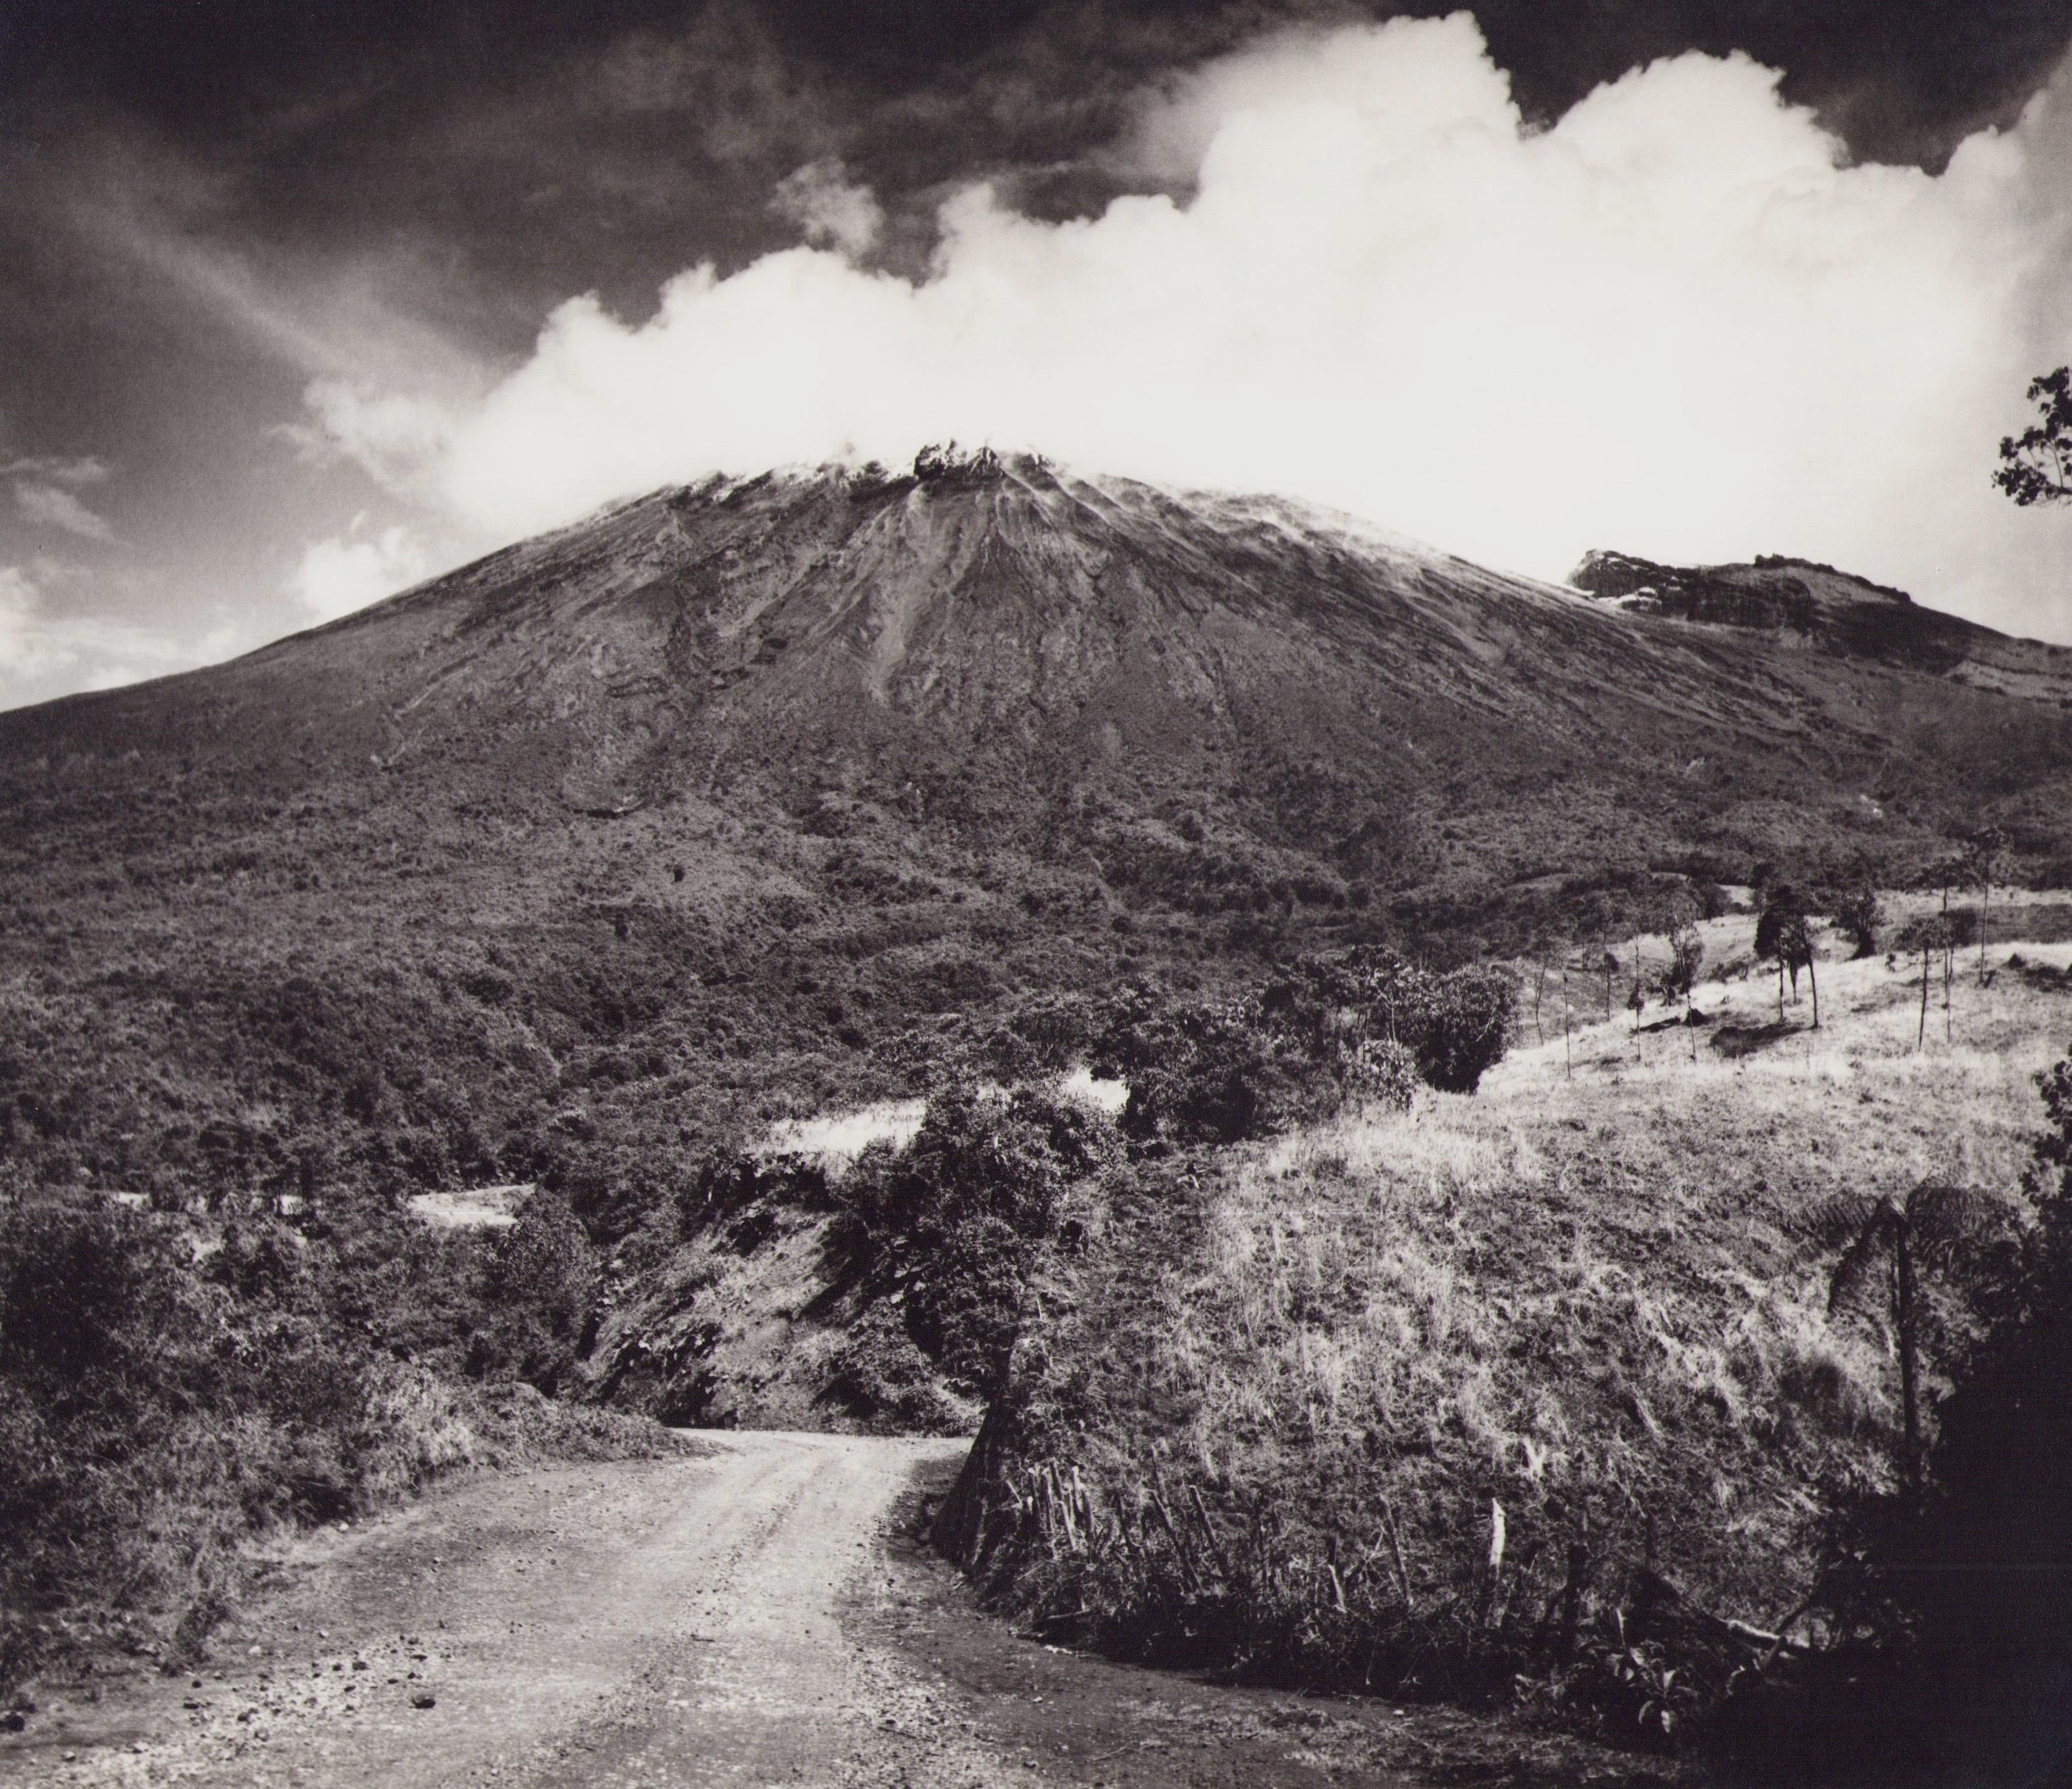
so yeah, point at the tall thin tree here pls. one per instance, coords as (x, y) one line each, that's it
(1901, 1237)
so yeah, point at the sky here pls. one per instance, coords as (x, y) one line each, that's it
(299, 306)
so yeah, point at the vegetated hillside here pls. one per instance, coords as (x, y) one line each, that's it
(741, 798)
(1527, 1394)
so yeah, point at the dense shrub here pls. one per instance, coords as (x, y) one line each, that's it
(541, 1287)
(1453, 1026)
(1859, 914)
(1363, 1026)
(170, 1386)
(946, 1228)
(1199, 1072)
(1464, 1027)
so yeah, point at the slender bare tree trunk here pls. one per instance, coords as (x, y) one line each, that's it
(1949, 975)
(1813, 980)
(1921, 1043)
(1909, 1390)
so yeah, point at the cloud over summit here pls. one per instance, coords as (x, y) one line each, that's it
(1675, 321)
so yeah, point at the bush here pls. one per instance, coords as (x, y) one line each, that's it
(541, 1286)
(1362, 1026)
(1198, 1072)
(947, 1228)
(1454, 1027)
(1859, 914)
(1466, 1027)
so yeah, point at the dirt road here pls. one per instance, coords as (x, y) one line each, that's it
(671, 1622)
(744, 1618)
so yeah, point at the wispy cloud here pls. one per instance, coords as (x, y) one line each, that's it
(390, 437)
(52, 506)
(133, 198)
(75, 472)
(42, 651)
(833, 210)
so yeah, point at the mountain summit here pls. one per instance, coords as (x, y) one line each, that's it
(761, 771)
(1010, 627)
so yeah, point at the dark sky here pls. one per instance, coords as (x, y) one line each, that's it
(205, 205)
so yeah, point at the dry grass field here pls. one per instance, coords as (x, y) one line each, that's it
(1586, 1307)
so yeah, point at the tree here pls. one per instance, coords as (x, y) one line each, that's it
(1858, 912)
(1902, 1238)
(2035, 465)
(946, 1230)
(541, 1287)
(1687, 952)
(1783, 935)
(1984, 859)
(1934, 936)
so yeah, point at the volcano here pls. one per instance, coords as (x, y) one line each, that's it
(741, 788)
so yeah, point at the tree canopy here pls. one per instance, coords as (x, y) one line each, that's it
(2035, 465)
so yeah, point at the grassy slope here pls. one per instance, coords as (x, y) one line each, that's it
(1593, 1299)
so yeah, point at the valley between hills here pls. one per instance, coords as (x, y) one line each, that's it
(1451, 1302)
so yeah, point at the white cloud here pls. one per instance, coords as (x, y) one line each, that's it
(42, 652)
(391, 437)
(832, 210)
(59, 469)
(22, 650)
(52, 506)
(1673, 322)
(345, 573)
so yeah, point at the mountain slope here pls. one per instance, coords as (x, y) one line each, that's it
(1802, 601)
(732, 800)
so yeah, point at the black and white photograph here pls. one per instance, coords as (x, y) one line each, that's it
(1052, 895)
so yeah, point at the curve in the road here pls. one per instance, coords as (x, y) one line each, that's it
(659, 1622)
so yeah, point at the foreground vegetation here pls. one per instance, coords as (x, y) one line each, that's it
(1546, 1394)
(174, 1389)
(1406, 1331)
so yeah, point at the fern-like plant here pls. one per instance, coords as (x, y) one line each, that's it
(1897, 1240)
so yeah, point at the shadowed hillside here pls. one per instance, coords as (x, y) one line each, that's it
(1803, 603)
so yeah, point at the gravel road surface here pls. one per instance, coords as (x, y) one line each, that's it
(672, 1621)
(755, 1616)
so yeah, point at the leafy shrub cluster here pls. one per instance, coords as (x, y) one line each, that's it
(170, 1389)
(1362, 1026)
(945, 1230)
